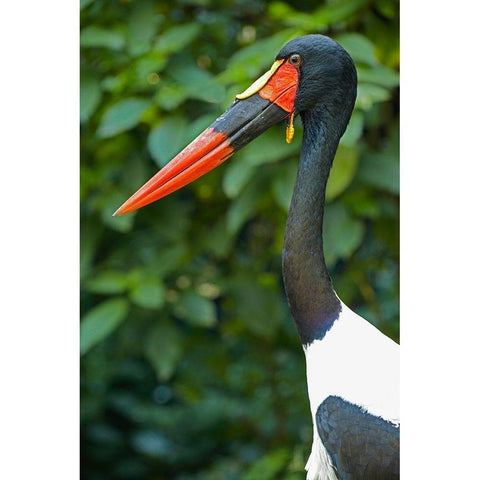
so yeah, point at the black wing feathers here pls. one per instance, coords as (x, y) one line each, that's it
(362, 446)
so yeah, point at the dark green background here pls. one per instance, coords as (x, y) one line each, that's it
(191, 366)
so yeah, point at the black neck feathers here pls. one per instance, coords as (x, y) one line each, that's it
(311, 297)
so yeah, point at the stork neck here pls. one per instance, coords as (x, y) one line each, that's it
(311, 297)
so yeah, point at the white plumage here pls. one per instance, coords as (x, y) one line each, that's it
(358, 363)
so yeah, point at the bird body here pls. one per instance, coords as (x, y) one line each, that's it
(352, 368)
(368, 377)
(357, 363)
(348, 361)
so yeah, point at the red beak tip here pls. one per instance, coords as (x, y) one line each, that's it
(117, 212)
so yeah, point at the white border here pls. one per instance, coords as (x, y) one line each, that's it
(39, 249)
(440, 239)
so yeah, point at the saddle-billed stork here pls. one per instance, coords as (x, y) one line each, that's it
(352, 368)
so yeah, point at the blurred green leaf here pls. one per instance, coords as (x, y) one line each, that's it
(388, 8)
(217, 239)
(280, 11)
(318, 20)
(101, 321)
(167, 139)
(90, 95)
(284, 183)
(362, 203)
(360, 48)
(134, 171)
(342, 234)
(381, 169)
(149, 293)
(177, 37)
(368, 94)
(108, 282)
(150, 443)
(259, 308)
(170, 96)
(190, 77)
(379, 75)
(90, 233)
(152, 62)
(337, 11)
(354, 130)
(122, 116)
(168, 259)
(243, 208)
(84, 3)
(101, 37)
(142, 26)
(269, 466)
(196, 310)
(342, 172)
(163, 349)
(115, 83)
(236, 177)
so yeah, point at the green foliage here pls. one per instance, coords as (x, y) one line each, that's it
(196, 309)
(163, 349)
(342, 172)
(100, 321)
(167, 139)
(191, 367)
(121, 116)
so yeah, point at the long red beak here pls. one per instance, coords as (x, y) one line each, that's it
(255, 111)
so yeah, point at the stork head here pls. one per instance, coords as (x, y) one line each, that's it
(310, 73)
(327, 74)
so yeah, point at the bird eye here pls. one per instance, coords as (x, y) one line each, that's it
(295, 59)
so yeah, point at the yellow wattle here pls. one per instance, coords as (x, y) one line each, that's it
(290, 130)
